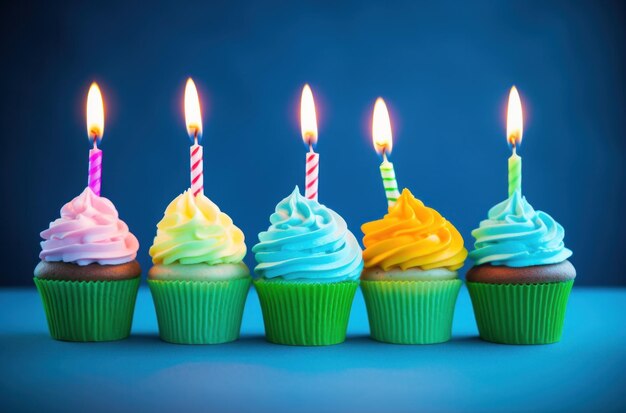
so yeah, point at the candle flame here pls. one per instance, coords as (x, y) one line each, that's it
(308, 119)
(193, 115)
(514, 119)
(381, 128)
(95, 113)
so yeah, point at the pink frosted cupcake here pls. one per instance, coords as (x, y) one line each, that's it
(88, 276)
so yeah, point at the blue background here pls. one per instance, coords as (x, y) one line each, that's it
(444, 68)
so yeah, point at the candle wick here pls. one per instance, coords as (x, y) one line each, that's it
(384, 155)
(195, 136)
(95, 142)
(514, 149)
(310, 147)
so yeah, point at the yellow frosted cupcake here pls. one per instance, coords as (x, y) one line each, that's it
(410, 281)
(199, 283)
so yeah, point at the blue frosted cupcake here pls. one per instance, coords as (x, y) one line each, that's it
(521, 280)
(308, 271)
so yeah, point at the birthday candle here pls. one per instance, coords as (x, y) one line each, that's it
(312, 171)
(95, 169)
(514, 132)
(196, 168)
(383, 143)
(95, 130)
(193, 119)
(308, 127)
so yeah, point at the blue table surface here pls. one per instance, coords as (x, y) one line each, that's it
(584, 372)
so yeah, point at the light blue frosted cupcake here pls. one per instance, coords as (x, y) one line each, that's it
(308, 271)
(521, 280)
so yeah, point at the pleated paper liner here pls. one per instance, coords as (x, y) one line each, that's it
(306, 313)
(88, 310)
(520, 313)
(199, 312)
(411, 312)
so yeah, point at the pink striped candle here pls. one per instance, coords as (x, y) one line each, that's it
(95, 130)
(95, 169)
(308, 127)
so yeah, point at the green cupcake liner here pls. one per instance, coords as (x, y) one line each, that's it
(411, 312)
(88, 310)
(199, 312)
(305, 313)
(520, 313)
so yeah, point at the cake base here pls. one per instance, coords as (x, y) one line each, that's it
(67, 271)
(501, 274)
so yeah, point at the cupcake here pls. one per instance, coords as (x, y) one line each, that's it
(521, 280)
(88, 276)
(308, 272)
(199, 283)
(410, 281)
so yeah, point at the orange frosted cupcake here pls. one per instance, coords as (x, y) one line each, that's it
(410, 281)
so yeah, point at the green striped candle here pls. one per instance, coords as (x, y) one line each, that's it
(389, 181)
(514, 132)
(383, 143)
(515, 173)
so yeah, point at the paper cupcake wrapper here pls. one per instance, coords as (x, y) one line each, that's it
(306, 313)
(88, 310)
(199, 312)
(520, 313)
(411, 312)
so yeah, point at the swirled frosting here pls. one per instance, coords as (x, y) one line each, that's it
(515, 235)
(412, 235)
(89, 231)
(193, 231)
(307, 241)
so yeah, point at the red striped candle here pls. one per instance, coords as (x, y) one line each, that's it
(193, 119)
(197, 169)
(312, 173)
(308, 127)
